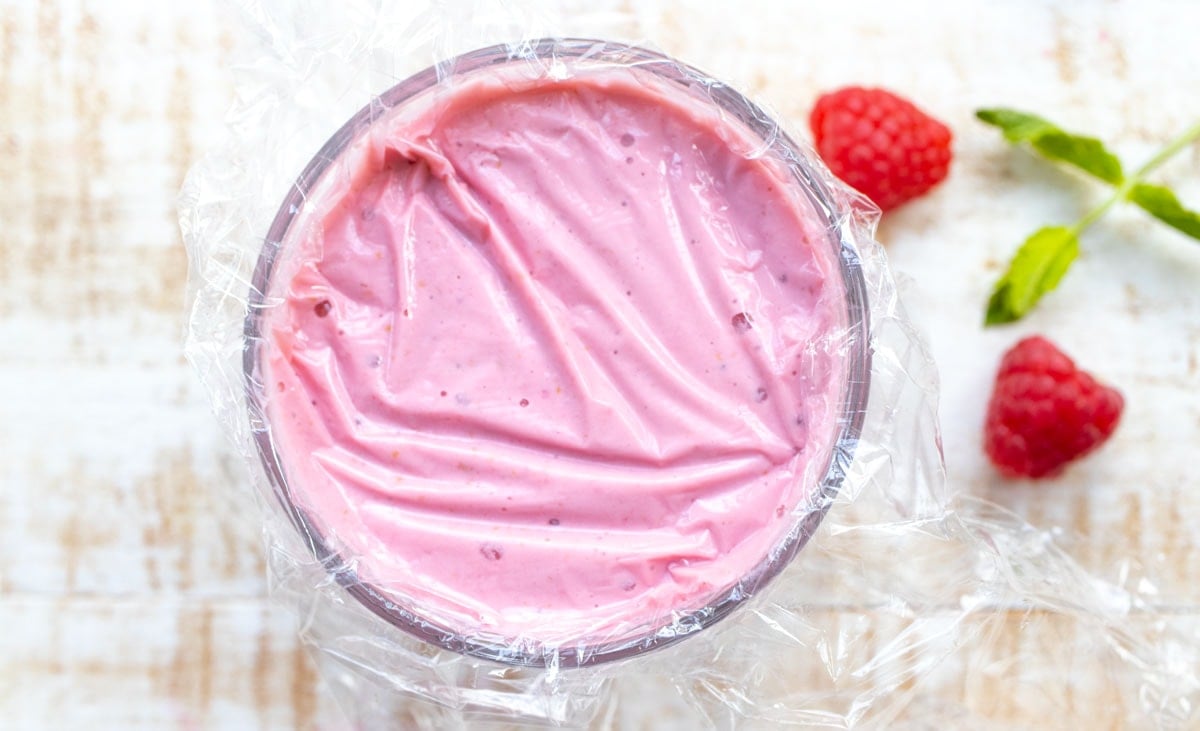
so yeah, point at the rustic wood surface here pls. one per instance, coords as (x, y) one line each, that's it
(130, 598)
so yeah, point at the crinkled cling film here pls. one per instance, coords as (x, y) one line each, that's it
(571, 382)
(431, 151)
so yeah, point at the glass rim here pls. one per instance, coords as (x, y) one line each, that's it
(680, 623)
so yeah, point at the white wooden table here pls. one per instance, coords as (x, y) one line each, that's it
(130, 598)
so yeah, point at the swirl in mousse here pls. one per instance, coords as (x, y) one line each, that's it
(556, 361)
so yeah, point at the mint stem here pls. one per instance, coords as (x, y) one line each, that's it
(1190, 135)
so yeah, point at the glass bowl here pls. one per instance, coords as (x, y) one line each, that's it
(552, 57)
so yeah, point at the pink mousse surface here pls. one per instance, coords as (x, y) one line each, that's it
(553, 359)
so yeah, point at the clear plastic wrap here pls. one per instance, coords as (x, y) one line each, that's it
(868, 585)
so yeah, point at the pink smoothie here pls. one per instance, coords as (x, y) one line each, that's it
(553, 359)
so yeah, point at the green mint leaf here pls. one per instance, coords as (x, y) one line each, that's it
(1086, 153)
(1037, 268)
(1016, 126)
(1161, 203)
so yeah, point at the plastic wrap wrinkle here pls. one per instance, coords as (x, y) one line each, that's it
(901, 592)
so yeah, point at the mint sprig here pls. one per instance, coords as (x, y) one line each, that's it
(1042, 261)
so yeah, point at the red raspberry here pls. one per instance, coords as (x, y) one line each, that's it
(880, 144)
(1045, 412)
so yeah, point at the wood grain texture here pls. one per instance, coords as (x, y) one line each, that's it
(131, 582)
(129, 598)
